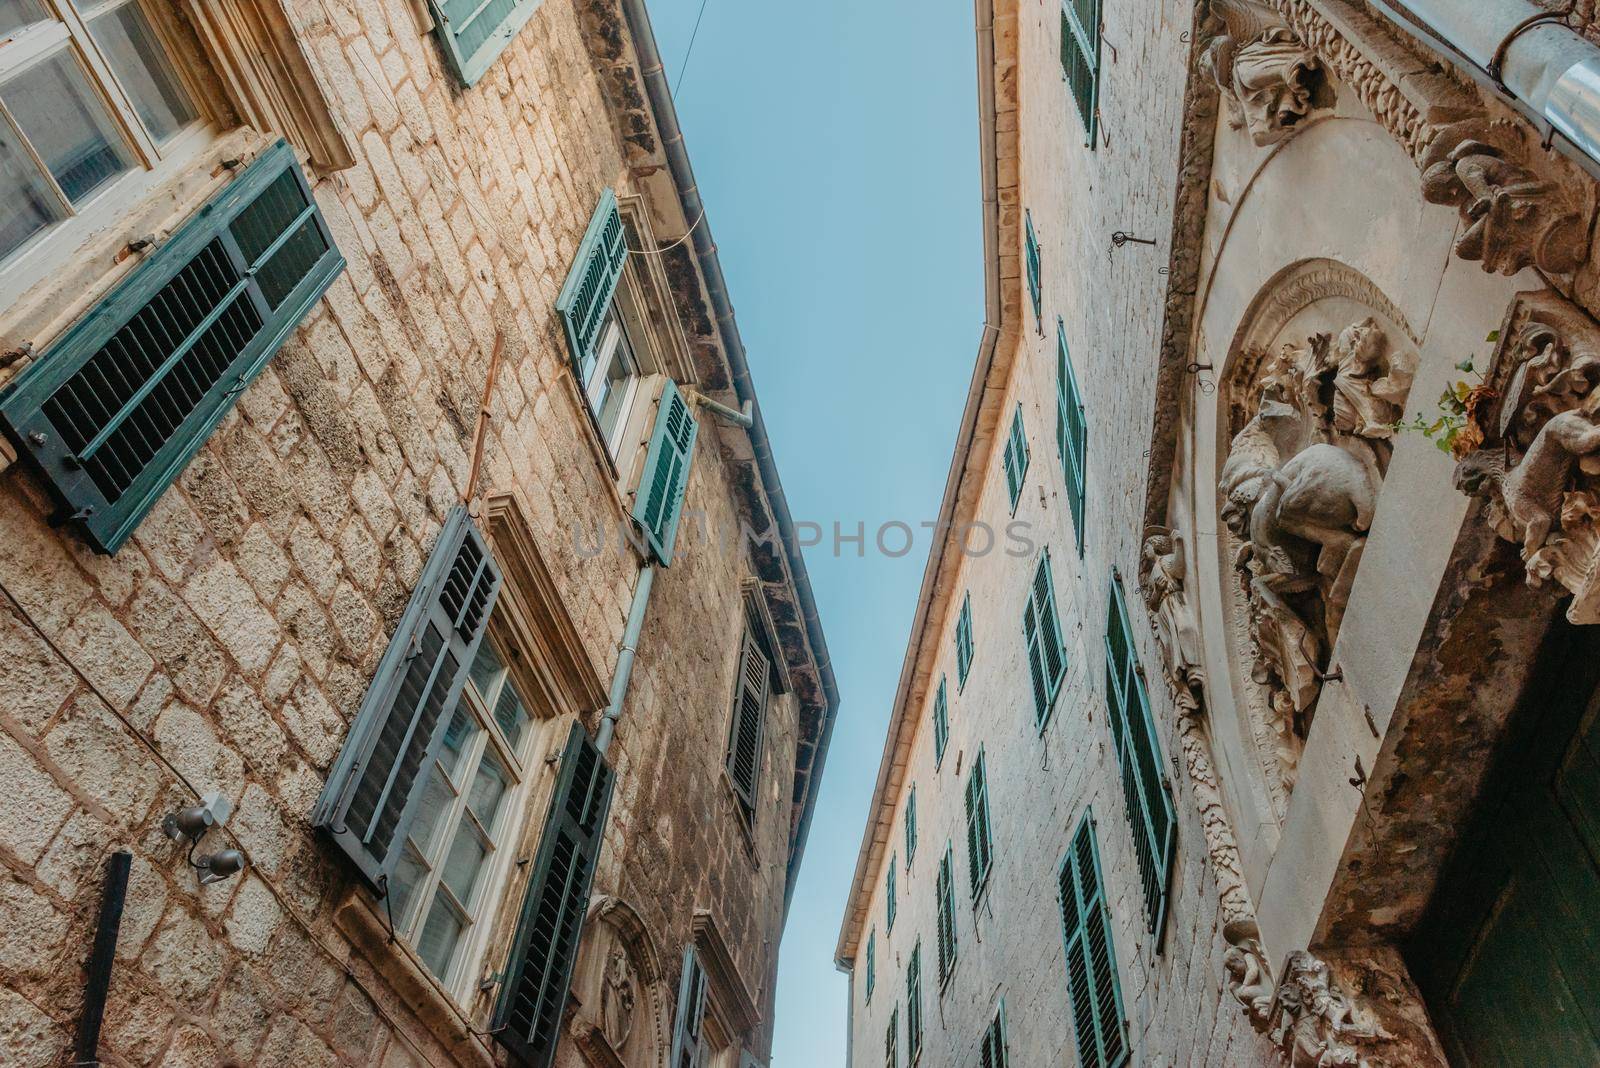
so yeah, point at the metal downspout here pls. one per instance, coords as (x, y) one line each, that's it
(625, 658)
(666, 116)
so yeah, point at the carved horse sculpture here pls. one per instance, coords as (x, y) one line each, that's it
(1531, 492)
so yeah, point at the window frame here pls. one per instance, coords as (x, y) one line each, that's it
(872, 965)
(890, 905)
(1017, 455)
(944, 893)
(891, 1041)
(914, 1004)
(1089, 51)
(1072, 448)
(941, 722)
(910, 820)
(980, 828)
(1041, 606)
(1101, 901)
(1033, 261)
(966, 648)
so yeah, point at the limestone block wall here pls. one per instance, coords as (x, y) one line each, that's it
(229, 643)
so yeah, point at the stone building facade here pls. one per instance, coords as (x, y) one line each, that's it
(385, 514)
(1249, 709)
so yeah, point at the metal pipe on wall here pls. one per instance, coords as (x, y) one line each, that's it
(625, 658)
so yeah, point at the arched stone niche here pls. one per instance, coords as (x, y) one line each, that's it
(621, 1017)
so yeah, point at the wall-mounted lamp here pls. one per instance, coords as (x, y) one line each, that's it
(191, 824)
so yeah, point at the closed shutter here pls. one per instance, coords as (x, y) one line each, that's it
(1016, 458)
(872, 964)
(1072, 437)
(545, 950)
(591, 283)
(368, 803)
(945, 888)
(994, 1052)
(1092, 985)
(914, 1004)
(911, 827)
(888, 890)
(1041, 632)
(1080, 60)
(979, 844)
(891, 1041)
(691, 1012)
(1144, 785)
(472, 33)
(964, 642)
(659, 502)
(113, 411)
(1035, 267)
(941, 723)
(749, 714)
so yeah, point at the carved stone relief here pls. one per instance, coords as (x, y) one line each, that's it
(1314, 1022)
(620, 1018)
(1299, 488)
(1538, 464)
(1270, 81)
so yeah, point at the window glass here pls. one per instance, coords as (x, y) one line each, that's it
(610, 386)
(440, 935)
(67, 124)
(141, 66)
(27, 203)
(18, 13)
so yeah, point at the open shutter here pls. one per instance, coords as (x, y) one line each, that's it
(545, 951)
(964, 642)
(979, 847)
(1035, 269)
(945, 888)
(914, 1004)
(749, 712)
(1092, 985)
(368, 803)
(891, 1041)
(591, 283)
(1041, 629)
(994, 1051)
(890, 905)
(872, 964)
(1071, 433)
(659, 502)
(472, 33)
(941, 723)
(911, 827)
(691, 1012)
(113, 411)
(1016, 458)
(1080, 59)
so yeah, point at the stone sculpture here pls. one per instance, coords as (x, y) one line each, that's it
(1270, 80)
(1538, 467)
(617, 999)
(1249, 977)
(1313, 1021)
(1300, 487)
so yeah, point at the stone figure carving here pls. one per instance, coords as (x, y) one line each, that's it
(1162, 570)
(1270, 80)
(1538, 467)
(617, 998)
(1249, 977)
(1300, 486)
(1313, 1021)
(1514, 216)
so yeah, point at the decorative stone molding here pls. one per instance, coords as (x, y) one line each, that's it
(728, 987)
(1538, 467)
(1270, 81)
(1300, 485)
(620, 1015)
(1314, 1022)
(256, 51)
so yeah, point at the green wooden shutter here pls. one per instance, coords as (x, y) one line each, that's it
(914, 1004)
(368, 803)
(1144, 784)
(941, 723)
(1080, 60)
(544, 952)
(473, 33)
(1016, 459)
(891, 1041)
(1035, 266)
(113, 411)
(964, 648)
(659, 501)
(1092, 985)
(993, 1053)
(591, 283)
(872, 964)
(691, 1013)
(911, 826)
(743, 758)
(1072, 436)
(1041, 633)
(888, 890)
(946, 891)
(980, 846)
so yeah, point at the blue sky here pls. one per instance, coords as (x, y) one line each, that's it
(835, 142)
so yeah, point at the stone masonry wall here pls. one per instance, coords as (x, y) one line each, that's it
(229, 643)
(1011, 945)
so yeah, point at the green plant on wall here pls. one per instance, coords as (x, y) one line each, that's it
(1457, 427)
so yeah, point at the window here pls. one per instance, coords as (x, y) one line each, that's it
(941, 723)
(964, 642)
(1144, 787)
(914, 1004)
(89, 96)
(888, 891)
(688, 1028)
(1041, 634)
(891, 1041)
(911, 826)
(872, 963)
(1080, 60)
(603, 357)
(1016, 459)
(993, 1052)
(1035, 269)
(1072, 435)
(946, 890)
(473, 33)
(980, 846)
(456, 857)
(1092, 986)
(112, 410)
(613, 381)
(743, 757)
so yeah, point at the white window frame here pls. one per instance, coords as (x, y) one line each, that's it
(462, 977)
(65, 27)
(614, 337)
